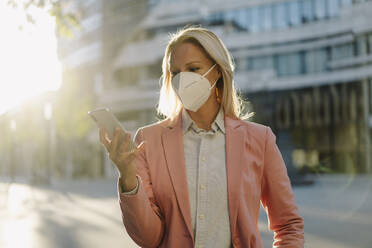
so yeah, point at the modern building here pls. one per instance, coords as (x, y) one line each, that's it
(305, 65)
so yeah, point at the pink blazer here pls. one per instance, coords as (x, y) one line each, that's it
(159, 214)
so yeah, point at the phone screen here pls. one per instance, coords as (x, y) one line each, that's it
(105, 118)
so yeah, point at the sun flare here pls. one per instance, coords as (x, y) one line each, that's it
(29, 63)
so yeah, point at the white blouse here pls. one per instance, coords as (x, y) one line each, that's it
(206, 181)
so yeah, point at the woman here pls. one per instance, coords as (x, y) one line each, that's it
(196, 179)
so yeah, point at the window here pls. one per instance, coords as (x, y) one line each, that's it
(281, 64)
(280, 15)
(333, 7)
(315, 60)
(261, 63)
(249, 64)
(294, 63)
(361, 45)
(256, 64)
(307, 11)
(216, 17)
(320, 9)
(342, 51)
(255, 20)
(248, 16)
(242, 18)
(294, 13)
(289, 64)
(229, 15)
(346, 2)
(261, 14)
(265, 14)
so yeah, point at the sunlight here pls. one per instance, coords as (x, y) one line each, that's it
(19, 222)
(18, 197)
(28, 63)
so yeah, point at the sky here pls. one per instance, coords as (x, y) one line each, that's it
(29, 63)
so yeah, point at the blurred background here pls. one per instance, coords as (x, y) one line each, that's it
(305, 66)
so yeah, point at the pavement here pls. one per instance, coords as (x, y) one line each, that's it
(337, 212)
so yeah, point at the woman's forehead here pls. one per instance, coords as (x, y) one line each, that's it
(186, 53)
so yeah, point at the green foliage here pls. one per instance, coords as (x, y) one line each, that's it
(65, 22)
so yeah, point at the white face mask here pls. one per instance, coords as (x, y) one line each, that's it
(192, 88)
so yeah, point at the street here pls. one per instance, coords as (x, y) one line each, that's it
(337, 211)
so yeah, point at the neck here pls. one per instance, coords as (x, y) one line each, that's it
(205, 116)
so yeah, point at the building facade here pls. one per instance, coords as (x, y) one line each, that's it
(305, 66)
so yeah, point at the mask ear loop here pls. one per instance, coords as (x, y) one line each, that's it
(209, 70)
(207, 73)
(213, 84)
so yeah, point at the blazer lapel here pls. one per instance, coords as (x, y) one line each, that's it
(174, 154)
(234, 151)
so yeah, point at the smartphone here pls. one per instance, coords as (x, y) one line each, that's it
(105, 118)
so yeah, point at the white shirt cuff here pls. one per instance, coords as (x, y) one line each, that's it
(132, 192)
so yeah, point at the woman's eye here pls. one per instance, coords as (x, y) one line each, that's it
(193, 69)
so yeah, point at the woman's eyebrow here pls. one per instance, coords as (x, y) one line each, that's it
(189, 63)
(192, 62)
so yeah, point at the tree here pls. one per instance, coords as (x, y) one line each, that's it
(66, 18)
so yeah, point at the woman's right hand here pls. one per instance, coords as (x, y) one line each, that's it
(122, 156)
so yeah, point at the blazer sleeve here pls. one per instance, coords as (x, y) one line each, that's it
(141, 216)
(278, 200)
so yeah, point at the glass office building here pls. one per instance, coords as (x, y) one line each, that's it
(305, 66)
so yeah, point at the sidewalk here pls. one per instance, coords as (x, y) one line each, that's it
(337, 210)
(66, 214)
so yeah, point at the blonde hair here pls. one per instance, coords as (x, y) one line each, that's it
(233, 104)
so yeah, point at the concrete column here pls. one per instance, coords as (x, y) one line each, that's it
(366, 118)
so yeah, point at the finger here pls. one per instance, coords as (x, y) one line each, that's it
(136, 151)
(115, 141)
(125, 144)
(133, 152)
(127, 157)
(103, 139)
